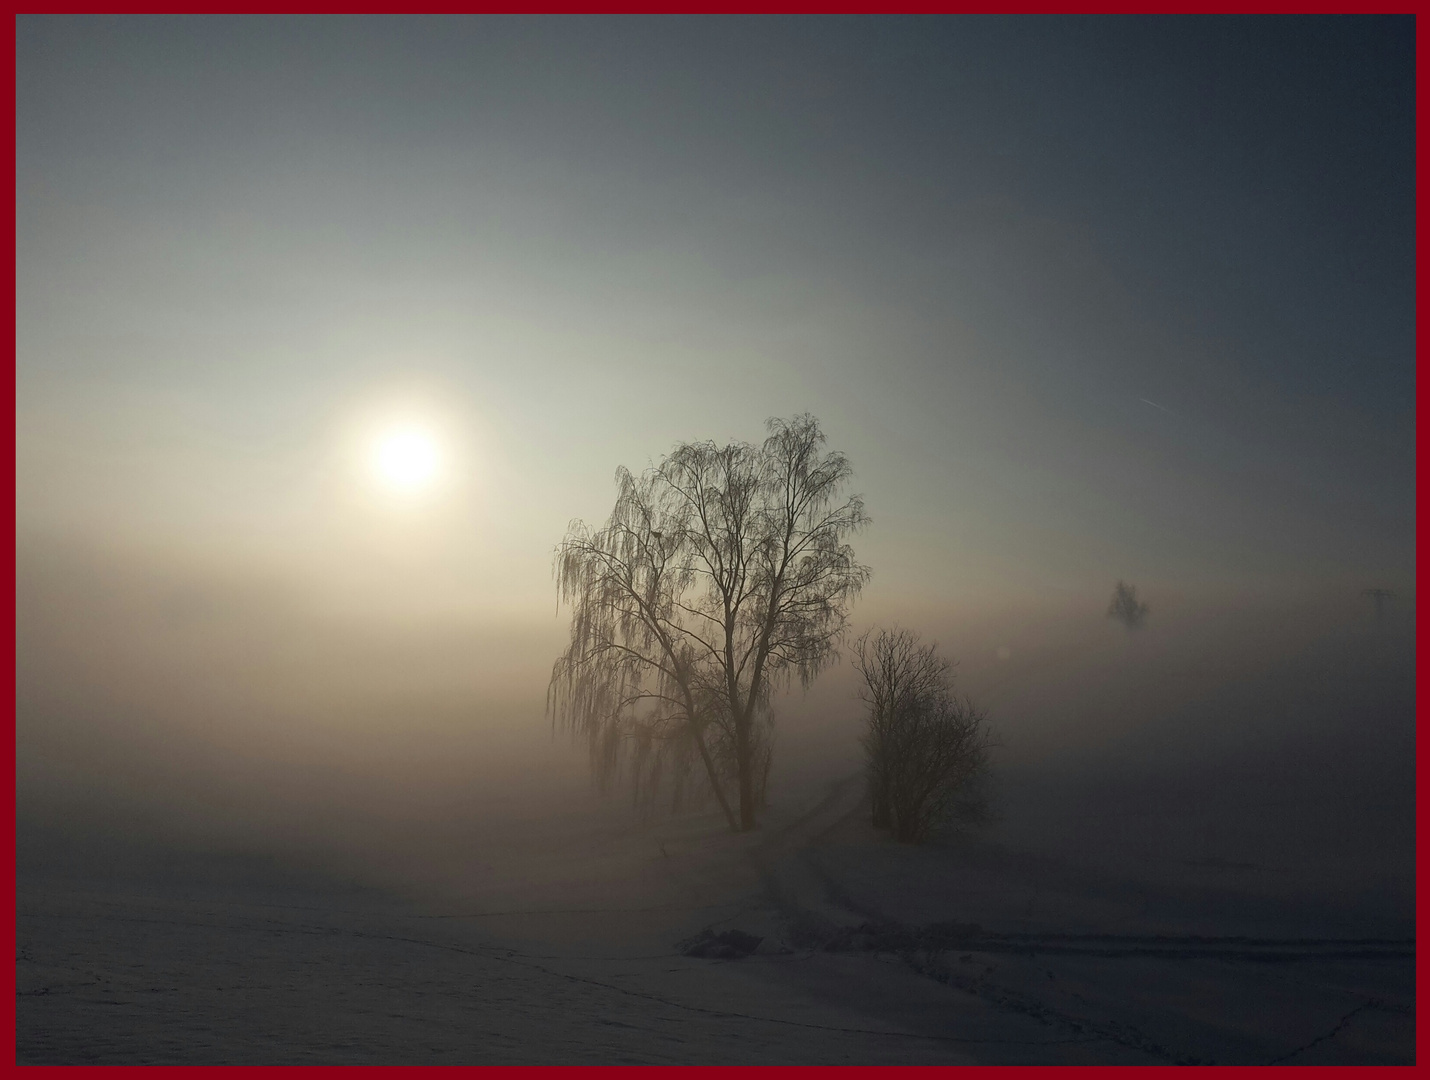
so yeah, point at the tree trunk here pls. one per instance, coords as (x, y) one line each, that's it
(715, 782)
(747, 786)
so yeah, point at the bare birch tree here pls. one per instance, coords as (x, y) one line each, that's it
(721, 573)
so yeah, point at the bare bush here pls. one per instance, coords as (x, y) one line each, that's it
(926, 749)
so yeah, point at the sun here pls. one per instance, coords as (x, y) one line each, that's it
(406, 459)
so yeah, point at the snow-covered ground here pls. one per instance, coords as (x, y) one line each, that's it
(251, 844)
(563, 945)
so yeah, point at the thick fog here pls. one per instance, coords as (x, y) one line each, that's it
(214, 706)
(164, 700)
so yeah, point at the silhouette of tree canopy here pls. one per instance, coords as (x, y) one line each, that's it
(721, 572)
(924, 748)
(1125, 606)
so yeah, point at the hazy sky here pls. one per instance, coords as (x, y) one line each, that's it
(1081, 298)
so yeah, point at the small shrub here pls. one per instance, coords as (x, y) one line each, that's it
(925, 748)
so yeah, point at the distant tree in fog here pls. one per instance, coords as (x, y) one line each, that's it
(1125, 606)
(925, 749)
(1380, 596)
(721, 572)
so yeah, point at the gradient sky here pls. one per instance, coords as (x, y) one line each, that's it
(1081, 298)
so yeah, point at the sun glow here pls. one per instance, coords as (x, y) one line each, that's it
(406, 459)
